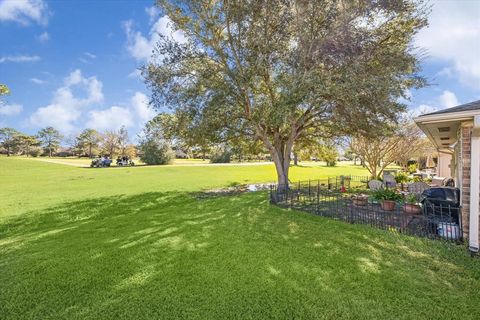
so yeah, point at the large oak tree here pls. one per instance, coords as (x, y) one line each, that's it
(277, 70)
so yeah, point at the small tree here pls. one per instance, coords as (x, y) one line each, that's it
(50, 139)
(220, 154)
(88, 140)
(8, 139)
(110, 143)
(154, 148)
(123, 140)
(131, 151)
(24, 144)
(327, 153)
(156, 151)
(395, 145)
(179, 130)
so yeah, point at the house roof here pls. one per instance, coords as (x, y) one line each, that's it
(441, 126)
(471, 106)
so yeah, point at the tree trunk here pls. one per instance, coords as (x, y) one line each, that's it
(281, 158)
(90, 150)
(295, 159)
(280, 151)
(8, 151)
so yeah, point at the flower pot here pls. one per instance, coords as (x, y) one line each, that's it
(388, 205)
(360, 200)
(411, 208)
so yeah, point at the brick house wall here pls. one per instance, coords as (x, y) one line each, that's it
(466, 132)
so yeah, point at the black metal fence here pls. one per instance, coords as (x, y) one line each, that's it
(325, 198)
(347, 183)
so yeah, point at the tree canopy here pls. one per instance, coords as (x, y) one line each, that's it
(8, 139)
(401, 144)
(4, 90)
(88, 140)
(278, 70)
(50, 139)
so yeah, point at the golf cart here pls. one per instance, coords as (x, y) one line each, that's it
(101, 162)
(124, 161)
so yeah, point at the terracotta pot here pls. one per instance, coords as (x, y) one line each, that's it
(388, 205)
(411, 208)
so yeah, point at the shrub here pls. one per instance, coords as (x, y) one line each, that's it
(387, 194)
(331, 163)
(401, 177)
(221, 157)
(412, 168)
(411, 198)
(35, 151)
(156, 151)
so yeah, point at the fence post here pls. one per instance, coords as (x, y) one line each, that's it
(318, 198)
(309, 194)
(298, 191)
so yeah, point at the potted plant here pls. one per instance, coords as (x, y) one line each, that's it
(360, 199)
(411, 205)
(387, 198)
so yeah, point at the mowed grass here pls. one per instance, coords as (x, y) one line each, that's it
(161, 252)
(28, 184)
(86, 161)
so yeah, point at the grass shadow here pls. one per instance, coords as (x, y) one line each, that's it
(171, 255)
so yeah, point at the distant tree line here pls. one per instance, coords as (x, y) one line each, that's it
(48, 142)
(167, 136)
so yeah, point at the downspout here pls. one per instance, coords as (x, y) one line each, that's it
(474, 185)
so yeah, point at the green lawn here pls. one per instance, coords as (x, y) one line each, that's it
(135, 243)
(28, 185)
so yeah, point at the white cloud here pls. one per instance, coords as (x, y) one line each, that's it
(448, 99)
(135, 113)
(55, 115)
(10, 109)
(20, 58)
(74, 78)
(90, 55)
(423, 109)
(87, 57)
(454, 37)
(43, 37)
(135, 74)
(38, 81)
(110, 119)
(65, 108)
(152, 13)
(24, 11)
(140, 47)
(78, 102)
(139, 103)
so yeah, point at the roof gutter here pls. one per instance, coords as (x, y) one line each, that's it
(451, 116)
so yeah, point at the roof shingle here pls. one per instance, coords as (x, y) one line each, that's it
(471, 106)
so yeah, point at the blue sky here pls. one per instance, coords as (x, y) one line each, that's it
(72, 64)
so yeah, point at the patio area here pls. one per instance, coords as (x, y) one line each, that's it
(433, 220)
